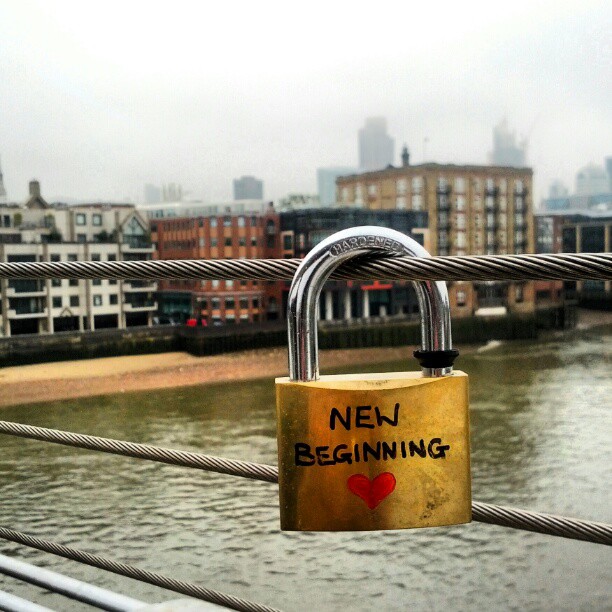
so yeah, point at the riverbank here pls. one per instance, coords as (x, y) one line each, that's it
(72, 379)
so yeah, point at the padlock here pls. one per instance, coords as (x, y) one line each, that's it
(363, 452)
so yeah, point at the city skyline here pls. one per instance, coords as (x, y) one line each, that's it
(96, 121)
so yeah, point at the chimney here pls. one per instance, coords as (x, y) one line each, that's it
(35, 189)
(405, 157)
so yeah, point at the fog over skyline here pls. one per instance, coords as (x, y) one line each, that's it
(97, 100)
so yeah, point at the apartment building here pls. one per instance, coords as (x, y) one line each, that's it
(219, 236)
(37, 231)
(473, 210)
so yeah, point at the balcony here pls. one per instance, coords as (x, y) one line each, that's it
(141, 306)
(25, 288)
(134, 286)
(27, 313)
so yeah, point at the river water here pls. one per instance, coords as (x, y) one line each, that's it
(541, 430)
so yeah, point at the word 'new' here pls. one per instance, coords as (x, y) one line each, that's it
(362, 417)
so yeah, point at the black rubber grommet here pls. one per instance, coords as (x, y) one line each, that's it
(436, 359)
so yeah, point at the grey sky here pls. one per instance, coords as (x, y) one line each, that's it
(97, 99)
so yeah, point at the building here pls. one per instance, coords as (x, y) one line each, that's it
(301, 230)
(592, 180)
(588, 234)
(506, 150)
(152, 194)
(326, 182)
(3, 199)
(472, 210)
(219, 236)
(171, 210)
(295, 201)
(376, 147)
(37, 231)
(248, 188)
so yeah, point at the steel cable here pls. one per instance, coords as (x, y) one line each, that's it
(564, 266)
(116, 567)
(576, 529)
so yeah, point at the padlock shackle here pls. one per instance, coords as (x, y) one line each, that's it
(436, 353)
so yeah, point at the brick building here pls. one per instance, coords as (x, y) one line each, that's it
(227, 236)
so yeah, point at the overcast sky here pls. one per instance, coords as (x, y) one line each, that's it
(97, 99)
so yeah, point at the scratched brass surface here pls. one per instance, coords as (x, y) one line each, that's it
(429, 491)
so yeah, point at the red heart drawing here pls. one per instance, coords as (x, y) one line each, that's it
(372, 491)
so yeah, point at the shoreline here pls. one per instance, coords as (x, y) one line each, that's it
(110, 375)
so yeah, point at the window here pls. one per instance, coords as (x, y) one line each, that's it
(213, 242)
(56, 282)
(460, 185)
(202, 243)
(518, 294)
(372, 190)
(417, 202)
(73, 282)
(228, 242)
(96, 281)
(113, 299)
(112, 281)
(287, 242)
(344, 194)
(95, 257)
(400, 203)
(229, 284)
(57, 302)
(460, 239)
(72, 257)
(253, 240)
(244, 303)
(490, 184)
(417, 184)
(213, 222)
(229, 303)
(401, 186)
(242, 242)
(215, 303)
(97, 300)
(112, 257)
(255, 302)
(460, 221)
(74, 301)
(243, 283)
(81, 219)
(253, 221)
(96, 219)
(82, 238)
(227, 221)
(241, 221)
(54, 257)
(460, 202)
(215, 284)
(460, 298)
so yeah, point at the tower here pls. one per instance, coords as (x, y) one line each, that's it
(405, 157)
(376, 147)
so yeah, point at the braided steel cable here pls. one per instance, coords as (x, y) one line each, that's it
(575, 529)
(572, 266)
(123, 569)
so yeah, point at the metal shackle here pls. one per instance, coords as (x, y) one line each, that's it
(436, 355)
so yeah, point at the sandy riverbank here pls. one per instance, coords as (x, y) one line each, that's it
(71, 379)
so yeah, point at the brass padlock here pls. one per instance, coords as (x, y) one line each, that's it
(371, 451)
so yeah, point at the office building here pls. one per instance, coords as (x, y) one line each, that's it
(301, 230)
(472, 210)
(37, 231)
(152, 194)
(248, 188)
(588, 234)
(376, 147)
(592, 180)
(506, 150)
(326, 182)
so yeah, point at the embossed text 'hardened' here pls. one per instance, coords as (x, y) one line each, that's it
(316, 268)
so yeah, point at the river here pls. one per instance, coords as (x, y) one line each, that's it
(541, 430)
